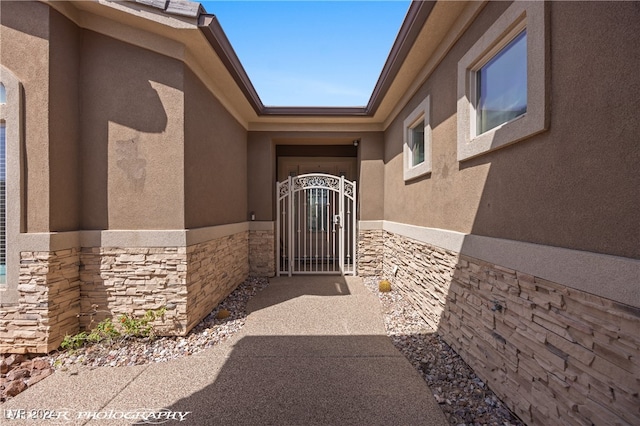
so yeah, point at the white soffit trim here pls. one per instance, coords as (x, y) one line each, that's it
(612, 277)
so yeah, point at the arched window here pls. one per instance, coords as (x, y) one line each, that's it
(3, 94)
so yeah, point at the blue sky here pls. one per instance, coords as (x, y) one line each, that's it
(311, 53)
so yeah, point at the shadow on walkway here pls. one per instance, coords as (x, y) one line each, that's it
(313, 380)
(282, 289)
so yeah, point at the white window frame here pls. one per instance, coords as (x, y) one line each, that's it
(421, 112)
(533, 17)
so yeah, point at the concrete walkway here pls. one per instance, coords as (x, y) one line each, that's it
(313, 352)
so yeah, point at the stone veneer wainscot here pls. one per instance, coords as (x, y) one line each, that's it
(48, 304)
(553, 354)
(188, 281)
(64, 291)
(261, 253)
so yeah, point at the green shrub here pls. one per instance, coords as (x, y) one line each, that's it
(126, 327)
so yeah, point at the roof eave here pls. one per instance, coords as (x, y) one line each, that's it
(415, 19)
(210, 27)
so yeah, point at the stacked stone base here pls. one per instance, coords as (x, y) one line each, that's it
(370, 252)
(214, 270)
(261, 253)
(48, 306)
(66, 291)
(554, 355)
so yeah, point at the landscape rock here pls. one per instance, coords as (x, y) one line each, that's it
(40, 364)
(19, 373)
(13, 388)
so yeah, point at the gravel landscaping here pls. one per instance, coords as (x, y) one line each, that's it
(463, 397)
(209, 332)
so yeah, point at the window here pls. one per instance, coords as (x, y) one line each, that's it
(3, 211)
(11, 108)
(417, 142)
(502, 86)
(502, 82)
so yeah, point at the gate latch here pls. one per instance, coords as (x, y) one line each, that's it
(337, 219)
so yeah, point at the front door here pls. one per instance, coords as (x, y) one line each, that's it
(316, 222)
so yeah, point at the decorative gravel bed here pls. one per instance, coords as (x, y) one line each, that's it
(463, 397)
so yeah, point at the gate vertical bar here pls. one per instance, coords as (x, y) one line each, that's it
(341, 250)
(278, 231)
(291, 225)
(298, 215)
(354, 230)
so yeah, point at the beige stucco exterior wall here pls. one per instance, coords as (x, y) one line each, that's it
(64, 124)
(215, 155)
(25, 33)
(573, 186)
(371, 181)
(132, 136)
(261, 175)
(108, 128)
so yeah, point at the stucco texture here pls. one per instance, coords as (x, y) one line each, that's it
(132, 136)
(574, 185)
(64, 124)
(215, 155)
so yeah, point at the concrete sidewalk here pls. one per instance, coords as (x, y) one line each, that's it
(312, 352)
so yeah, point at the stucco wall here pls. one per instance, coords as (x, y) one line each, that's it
(132, 106)
(215, 155)
(25, 34)
(64, 124)
(573, 186)
(261, 176)
(371, 177)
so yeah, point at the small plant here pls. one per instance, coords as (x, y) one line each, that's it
(140, 327)
(126, 327)
(384, 286)
(74, 342)
(105, 330)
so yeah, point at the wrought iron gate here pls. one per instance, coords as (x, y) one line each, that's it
(316, 225)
